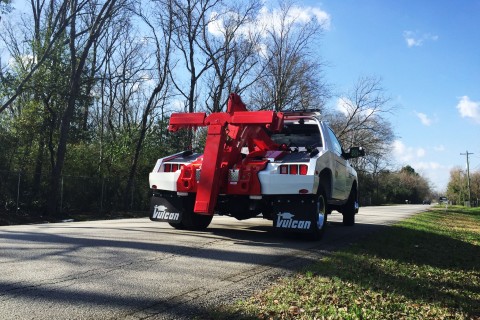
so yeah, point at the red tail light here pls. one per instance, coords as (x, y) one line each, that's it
(303, 169)
(172, 167)
(294, 169)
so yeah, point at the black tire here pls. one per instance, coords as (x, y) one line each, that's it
(349, 209)
(178, 226)
(319, 220)
(193, 221)
(190, 219)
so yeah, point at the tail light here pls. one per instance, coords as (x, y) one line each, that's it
(172, 167)
(303, 169)
(300, 169)
(293, 169)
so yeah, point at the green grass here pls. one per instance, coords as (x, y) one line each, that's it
(426, 267)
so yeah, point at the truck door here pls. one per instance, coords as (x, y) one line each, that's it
(340, 170)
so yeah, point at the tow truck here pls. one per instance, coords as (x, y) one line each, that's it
(288, 167)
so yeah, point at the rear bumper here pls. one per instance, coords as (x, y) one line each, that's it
(271, 184)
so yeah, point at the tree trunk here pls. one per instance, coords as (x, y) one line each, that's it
(77, 68)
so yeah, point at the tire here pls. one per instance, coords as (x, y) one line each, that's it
(193, 221)
(320, 216)
(190, 219)
(349, 209)
(178, 226)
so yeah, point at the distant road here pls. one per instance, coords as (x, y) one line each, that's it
(138, 269)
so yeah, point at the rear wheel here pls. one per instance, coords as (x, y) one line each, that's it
(320, 216)
(178, 226)
(191, 220)
(349, 209)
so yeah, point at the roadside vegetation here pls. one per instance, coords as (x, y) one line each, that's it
(457, 189)
(426, 267)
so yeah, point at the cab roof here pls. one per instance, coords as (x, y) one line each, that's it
(309, 113)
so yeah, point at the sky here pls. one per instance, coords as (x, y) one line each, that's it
(427, 54)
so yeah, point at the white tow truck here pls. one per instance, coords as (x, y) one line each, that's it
(287, 166)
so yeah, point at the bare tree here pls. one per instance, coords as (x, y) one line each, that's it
(291, 76)
(39, 87)
(4, 7)
(158, 95)
(58, 16)
(361, 121)
(190, 21)
(231, 45)
(87, 25)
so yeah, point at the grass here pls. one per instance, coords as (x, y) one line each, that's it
(426, 267)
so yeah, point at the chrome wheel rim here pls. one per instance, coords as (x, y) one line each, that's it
(321, 208)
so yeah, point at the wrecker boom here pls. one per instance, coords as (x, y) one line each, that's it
(228, 132)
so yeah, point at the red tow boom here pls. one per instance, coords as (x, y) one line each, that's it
(228, 132)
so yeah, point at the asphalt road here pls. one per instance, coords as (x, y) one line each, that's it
(138, 269)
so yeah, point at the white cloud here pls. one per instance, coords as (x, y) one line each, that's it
(421, 152)
(435, 172)
(424, 118)
(343, 105)
(404, 154)
(296, 14)
(322, 16)
(401, 152)
(347, 108)
(429, 165)
(215, 26)
(413, 39)
(271, 19)
(469, 108)
(26, 61)
(178, 105)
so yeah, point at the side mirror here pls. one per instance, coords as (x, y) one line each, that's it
(354, 152)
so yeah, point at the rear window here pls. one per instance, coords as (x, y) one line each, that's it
(299, 135)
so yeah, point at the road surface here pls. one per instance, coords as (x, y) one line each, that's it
(138, 269)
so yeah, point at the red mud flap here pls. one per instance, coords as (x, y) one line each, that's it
(295, 214)
(167, 209)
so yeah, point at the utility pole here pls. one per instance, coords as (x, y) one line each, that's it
(468, 177)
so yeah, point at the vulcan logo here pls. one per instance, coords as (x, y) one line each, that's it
(160, 212)
(285, 220)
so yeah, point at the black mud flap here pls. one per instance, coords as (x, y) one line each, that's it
(167, 209)
(294, 214)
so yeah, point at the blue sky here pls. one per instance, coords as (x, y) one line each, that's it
(427, 54)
